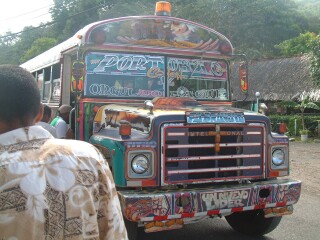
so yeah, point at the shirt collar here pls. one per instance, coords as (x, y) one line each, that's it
(23, 135)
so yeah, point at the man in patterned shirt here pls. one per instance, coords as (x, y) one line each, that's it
(49, 188)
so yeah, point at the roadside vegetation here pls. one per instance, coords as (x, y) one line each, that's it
(259, 28)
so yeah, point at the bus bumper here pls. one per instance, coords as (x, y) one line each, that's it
(276, 197)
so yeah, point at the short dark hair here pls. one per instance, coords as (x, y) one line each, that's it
(47, 110)
(19, 94)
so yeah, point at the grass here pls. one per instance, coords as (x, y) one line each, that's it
(310, 139)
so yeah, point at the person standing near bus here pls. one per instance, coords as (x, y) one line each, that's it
(49, 188)
(61, 122)
(47, 112)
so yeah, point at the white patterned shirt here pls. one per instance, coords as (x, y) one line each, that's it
(48, 127)
(55, 189)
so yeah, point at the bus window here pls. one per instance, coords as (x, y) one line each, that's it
(40, 81)
(197, 78)
(47, 84)
(56, 85)
(124, 75)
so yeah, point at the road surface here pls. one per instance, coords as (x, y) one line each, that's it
(303, 224)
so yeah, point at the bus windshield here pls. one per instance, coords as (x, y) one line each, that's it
(119, 75)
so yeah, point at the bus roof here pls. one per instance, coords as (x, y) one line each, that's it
(141, 34)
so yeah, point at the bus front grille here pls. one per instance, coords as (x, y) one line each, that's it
(217, 153)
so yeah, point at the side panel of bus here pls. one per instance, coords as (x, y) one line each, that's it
(65, 81)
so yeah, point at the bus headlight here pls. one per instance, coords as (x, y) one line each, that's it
(279, 157)
(140, 164)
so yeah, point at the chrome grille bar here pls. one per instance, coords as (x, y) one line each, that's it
(212, 145)
(175, 159)
(213, 170)
(198, 153)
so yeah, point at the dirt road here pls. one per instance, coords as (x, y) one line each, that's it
(302, 224)
(305, 165)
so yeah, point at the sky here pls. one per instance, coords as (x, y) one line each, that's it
(16, 14)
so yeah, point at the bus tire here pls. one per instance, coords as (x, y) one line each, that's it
(132, 229)
(252, 223)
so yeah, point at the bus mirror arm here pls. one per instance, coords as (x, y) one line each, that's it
(149, 105)
(245, 97)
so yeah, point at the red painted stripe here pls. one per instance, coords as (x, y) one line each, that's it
(160, 218)
(237, 209)
(187, 215)
(274, 174)
(281, 204)
(260, 206)
(146, 183)
(213, 212)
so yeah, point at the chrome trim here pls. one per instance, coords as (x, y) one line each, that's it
(174, 159)
(212, 145)
(213, 170)
(198, 153)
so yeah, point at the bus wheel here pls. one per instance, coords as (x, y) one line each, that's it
(252, 222)
(132, 229)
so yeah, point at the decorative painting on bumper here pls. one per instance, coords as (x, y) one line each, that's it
(154, 206)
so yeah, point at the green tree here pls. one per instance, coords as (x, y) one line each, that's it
(72, 15)
(315, 60)
(305, 103)
(7, 49)
(127, 8)
(311, 11)
(304, 43)
(307, 43)
(40, 45)
(252, 26)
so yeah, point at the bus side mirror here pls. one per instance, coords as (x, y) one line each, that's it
(78, 69)
(243, 76)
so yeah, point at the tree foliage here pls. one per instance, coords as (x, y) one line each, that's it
(310, 10)
(72, 15)
(305, 103)
(298, 45)
(307, 43)
(315, 60)
(254, 27)
(40, 45)
(7, 49)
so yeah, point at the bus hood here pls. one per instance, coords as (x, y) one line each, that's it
(140, 116)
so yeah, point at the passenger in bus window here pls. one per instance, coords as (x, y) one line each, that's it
(50, 188)
(47, 112)
(72, 127)
(61, 122)
(128, 83)
(153, 84)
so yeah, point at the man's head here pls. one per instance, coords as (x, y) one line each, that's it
(47, 112)
(64, 111)
(19, 98)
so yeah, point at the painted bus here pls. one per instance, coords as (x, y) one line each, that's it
(153, 94)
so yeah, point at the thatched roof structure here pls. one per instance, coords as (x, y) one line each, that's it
(278, 79)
